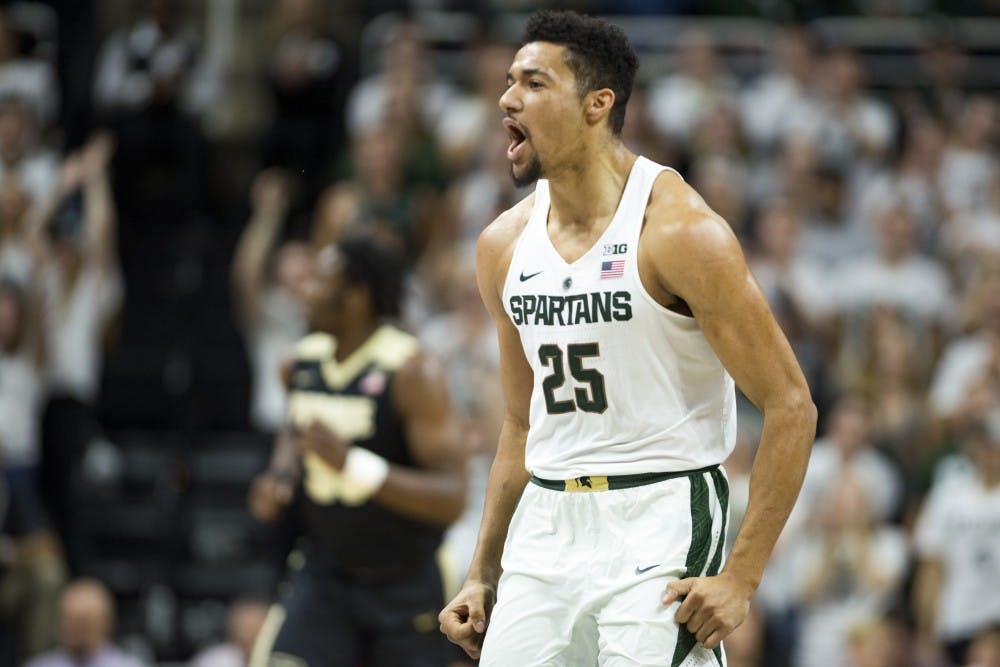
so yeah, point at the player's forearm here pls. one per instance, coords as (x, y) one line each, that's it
(775, 480)
(432, 496)
(508, 478)
(284, 458)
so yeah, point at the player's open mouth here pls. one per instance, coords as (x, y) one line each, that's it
(517, 137)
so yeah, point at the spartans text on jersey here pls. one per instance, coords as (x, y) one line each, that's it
(572, 309)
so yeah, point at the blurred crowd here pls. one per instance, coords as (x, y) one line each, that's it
(870, 218)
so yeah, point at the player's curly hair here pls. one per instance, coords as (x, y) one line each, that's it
(372, 263)
(598, 53)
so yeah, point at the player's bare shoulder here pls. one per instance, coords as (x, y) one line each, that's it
(420, 382)
(683, 230)
(684, 241)
(676, 212)
(496, 244)
(503, 232)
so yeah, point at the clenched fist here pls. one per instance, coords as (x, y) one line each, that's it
(465, 618)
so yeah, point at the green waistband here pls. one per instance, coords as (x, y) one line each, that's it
(589, 483)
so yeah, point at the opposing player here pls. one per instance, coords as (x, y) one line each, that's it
(625, 312)
(372, 447)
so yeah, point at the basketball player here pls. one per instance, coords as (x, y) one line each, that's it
(625, 312)
(370, 428)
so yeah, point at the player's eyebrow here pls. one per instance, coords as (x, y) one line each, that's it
(527, 72)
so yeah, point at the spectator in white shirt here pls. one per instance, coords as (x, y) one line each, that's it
(30, 79)
(968, 168)
(846, 450)
(406, 80)
(154, 62)
(785, 88)
(913, 180)
(31, 567)
(84, 293)
(783, 270)
(968, 236)
(970, 365)
(898, 276)
(154, 85)
(890, 367)
(958, 542)
(796, 288)
(15, 230)
(22, 364)
(463, 123)
(679, 101)
(268, 285)
(847, 567)
(848, 123)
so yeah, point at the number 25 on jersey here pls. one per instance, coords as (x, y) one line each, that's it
(592, 399)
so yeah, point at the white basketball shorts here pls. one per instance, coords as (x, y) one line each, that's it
(584, 572)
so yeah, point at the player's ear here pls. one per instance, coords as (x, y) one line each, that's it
(598, 104)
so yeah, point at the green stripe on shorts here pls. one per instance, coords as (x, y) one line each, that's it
(697, 556)
(722, 493)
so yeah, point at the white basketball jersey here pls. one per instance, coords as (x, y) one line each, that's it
(622, 385)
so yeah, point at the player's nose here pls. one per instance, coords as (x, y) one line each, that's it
(509, 101)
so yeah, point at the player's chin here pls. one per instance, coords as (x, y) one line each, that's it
(525, 171)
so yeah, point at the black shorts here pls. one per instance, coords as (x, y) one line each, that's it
(329, 620)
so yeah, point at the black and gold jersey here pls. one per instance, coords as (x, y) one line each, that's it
(353, 398)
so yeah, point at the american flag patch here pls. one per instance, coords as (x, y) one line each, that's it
(613, 269)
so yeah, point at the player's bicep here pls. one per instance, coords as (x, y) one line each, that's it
(732, 312)
(432, 433)
(750, 344)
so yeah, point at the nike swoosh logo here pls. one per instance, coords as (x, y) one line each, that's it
(528, 277)
(640, 570)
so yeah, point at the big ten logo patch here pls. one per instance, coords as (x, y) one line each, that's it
(615, 249)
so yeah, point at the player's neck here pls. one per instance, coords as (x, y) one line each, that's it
(589, 191)
(351, 338)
